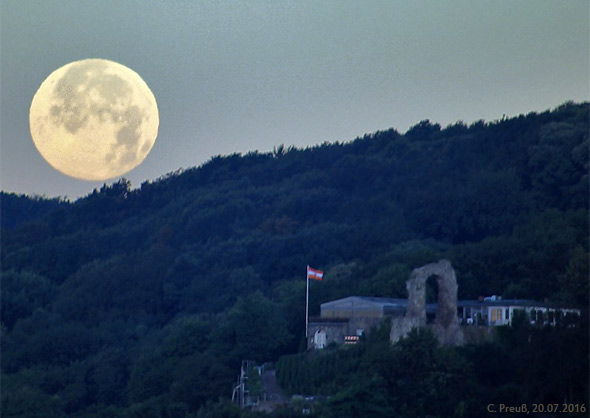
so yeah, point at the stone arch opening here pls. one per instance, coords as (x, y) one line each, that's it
(431, 298)
(431, 289)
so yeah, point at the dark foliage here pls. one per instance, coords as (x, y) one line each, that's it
(143, 302)
(19, 210)
(417, 378)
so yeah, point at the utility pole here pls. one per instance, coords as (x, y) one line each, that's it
(306, 304)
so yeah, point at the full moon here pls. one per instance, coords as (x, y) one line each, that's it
(94, 119)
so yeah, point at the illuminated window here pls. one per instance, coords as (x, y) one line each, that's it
(497, 314)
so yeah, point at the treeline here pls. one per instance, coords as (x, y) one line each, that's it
(18, 209)
(209, 261)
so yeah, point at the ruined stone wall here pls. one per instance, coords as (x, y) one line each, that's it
(446, 324)
(363, 323)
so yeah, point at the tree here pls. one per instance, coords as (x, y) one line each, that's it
(252, 330)
(22, 293)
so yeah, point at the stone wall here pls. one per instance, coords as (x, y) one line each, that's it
(446, 324)
(335, 332)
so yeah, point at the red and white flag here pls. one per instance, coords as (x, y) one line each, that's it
(314, 274)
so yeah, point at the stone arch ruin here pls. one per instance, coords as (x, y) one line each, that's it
(446, 324)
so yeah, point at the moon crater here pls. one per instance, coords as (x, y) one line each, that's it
(94, 119)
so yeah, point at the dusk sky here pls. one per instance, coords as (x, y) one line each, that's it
(239, 76)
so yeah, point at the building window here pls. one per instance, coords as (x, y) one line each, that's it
(507, 314)
(496, 314)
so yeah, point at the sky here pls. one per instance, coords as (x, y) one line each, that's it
(240, 76)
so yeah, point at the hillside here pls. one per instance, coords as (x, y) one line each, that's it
(205, 267)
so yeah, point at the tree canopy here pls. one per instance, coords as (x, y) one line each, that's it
(137, 301)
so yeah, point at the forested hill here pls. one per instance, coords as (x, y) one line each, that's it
(117, 272)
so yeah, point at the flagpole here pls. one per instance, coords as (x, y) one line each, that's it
(306, 304)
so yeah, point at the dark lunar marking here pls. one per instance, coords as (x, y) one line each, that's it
(110, 86)
(67, 89)
(66, 86)
(128, 135)
(109, 157)
(133, 115)
(127, 158)
(55, 110)
(76, 104)
(145, 148)
(72, 124)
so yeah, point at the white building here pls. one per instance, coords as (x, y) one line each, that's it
(495, 311)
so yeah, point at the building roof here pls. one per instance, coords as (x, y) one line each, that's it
(364, 302)
(360, 303)
(525, 303)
